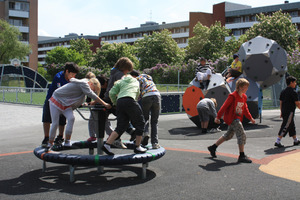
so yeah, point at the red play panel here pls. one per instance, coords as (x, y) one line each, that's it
(190, 99)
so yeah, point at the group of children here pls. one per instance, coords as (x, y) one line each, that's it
(121, 96)
(122, 92)
(235, 108)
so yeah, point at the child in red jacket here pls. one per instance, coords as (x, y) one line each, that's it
(234, 108)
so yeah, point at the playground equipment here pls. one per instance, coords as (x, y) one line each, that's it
(264, 63)
(99, 160)
(31, 77)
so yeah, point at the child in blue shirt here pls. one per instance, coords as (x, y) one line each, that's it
(60, 79)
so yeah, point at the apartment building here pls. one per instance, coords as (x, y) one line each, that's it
(239, 18)
(46, 44)
(23, 14)
(179, 30)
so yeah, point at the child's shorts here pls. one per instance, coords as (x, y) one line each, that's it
(47, 117)
(236, 127)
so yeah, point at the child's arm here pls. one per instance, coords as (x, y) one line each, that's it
(113, 93)
(246, 111)
(227, 103)
(297, 104)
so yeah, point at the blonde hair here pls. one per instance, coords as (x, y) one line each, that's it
(96, 84)
(123, 64)
(90, 75)
(215, 101)
(241, 83)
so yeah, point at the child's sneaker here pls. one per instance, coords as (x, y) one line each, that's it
(58, 140)
(296, 143)
(155, 146)
(45, 142)
(91, 139)
(140, 149)
(106, 149)
(279, 145)
(67, 143)
(119, 144)
(212, 151)
(244, 159)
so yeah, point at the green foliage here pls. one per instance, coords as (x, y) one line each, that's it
(166, 74)
(233, 45)
(61, 55)
(83, 47)
(278, 27)
(83, 70)
(10, 46)
(293, 63)
(106, 56)
(42, 71)
(207, 42)
(158, 48)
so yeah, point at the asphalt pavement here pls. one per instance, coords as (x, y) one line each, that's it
(185, 172)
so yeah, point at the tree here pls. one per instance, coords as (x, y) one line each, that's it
(158, 48)
(106, 56)
(82, 46)
(10, 46)
(278, 27)
(207, 42)
(61, 55)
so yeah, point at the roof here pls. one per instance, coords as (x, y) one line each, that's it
(145, 28)
(265, 9)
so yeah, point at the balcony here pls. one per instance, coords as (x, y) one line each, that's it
(18, 13)
(23, 29)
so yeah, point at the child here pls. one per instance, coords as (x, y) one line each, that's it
(236, 67)
(92, 125)
(69, 97)
(206, 108)
(121, 68)
(124, 94)
(288, 102)
(60, 79)
(234, 108)
(150, 101)
(203, 73)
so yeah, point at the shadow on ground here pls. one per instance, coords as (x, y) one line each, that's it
(216, 165)
(88, 181)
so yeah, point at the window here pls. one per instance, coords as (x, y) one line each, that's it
(247, 18)
(22, 6)
(294, 13)
(237, 20)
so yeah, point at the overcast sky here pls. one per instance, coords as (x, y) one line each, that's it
(91, 17)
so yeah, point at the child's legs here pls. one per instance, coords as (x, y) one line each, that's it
(92, 126)
(46, 118)
(287, 120)
(55, 113)
(62, 123)
(68, 113)
(155, 110)
(108, 127)
(228, 135)
(146, 105)
(136, 116)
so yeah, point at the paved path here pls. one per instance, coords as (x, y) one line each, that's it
(185, 172)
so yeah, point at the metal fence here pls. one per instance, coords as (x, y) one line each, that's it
(171, 101)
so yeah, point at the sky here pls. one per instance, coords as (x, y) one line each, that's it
(58, 18)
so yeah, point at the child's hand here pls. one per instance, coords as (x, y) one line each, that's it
(253, 121)
(107, 105)
(217, 121)
(93, 103)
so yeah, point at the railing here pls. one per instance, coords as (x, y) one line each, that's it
(171, 101)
